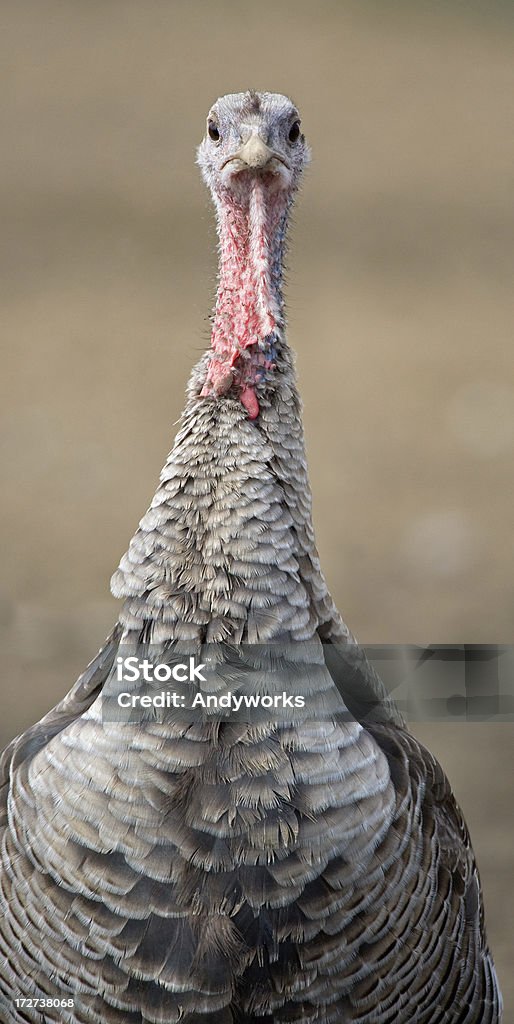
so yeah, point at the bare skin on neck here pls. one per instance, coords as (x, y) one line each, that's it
(248, 306)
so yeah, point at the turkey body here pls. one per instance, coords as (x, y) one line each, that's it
(307, 866)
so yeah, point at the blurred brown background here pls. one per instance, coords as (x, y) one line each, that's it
(400, 296)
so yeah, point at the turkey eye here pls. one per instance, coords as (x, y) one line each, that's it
(213, 131)
(294, 132)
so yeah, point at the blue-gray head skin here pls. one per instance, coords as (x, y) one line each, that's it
(253, 133)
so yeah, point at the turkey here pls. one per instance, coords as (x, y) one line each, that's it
(281, 864)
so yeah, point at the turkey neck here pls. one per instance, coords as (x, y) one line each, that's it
(248, 317)
(226, 550)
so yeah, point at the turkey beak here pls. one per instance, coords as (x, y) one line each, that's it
(255, 153)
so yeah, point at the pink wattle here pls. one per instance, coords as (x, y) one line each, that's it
(247, 311)
(249, 400)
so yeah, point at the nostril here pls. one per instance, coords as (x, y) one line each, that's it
(248, 132)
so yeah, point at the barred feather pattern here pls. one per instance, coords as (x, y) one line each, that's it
(314, 871)
(308, 868)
